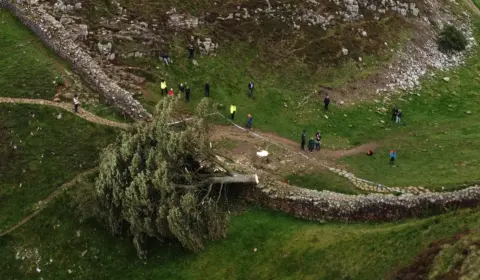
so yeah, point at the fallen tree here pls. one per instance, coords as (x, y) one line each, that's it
(163, 181)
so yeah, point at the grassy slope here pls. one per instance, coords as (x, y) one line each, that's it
(436, 112)
(18, 44)
(287, 248)
(324, 181)
(438, 108)
(440, 144)
(33, 78)
(49, 152)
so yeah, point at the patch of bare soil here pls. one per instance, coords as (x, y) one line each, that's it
(422, 263)
(233, 133)
(285, 156)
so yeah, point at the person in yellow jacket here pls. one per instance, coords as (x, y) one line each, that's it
(163, 86)
(233, 110)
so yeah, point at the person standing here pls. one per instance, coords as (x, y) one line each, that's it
(233, 110)
(191, 51)
(394, 113)
(163, 87)
(326, 101)
(170, 93)
(166, 59)
(181, 87)
(75, 103)
(251, 86)
(187, 94)
(311, 145)
(393, 156)
(399, 116)
(249, 122)
(318, 138)
(207, 89)
(304, 139)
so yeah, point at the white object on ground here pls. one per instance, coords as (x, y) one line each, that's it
(262, 153)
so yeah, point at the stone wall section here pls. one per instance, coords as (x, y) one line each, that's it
(326, 205)
(54, 35)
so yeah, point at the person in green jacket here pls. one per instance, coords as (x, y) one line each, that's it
(311, 145)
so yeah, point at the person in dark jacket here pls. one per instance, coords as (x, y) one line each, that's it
(181, 87)
(251, 86)
(191, 51)
(311, 145)
(207, 89)
(399, 116)
(394, 113)
(187, 94)
(318, 138)
(166, 59)
(304, 140)
(326, 101)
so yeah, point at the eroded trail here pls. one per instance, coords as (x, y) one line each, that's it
(67, 107)
(44, 202)
(220, 132)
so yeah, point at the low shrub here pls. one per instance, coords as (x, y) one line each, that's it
(451, 39)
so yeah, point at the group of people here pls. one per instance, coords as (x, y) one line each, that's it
(313, 143)
(183, 88)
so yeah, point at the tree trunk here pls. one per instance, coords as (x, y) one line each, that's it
(224, 180)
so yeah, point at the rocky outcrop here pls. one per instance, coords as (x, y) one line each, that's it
(326, 205)
(54, 35)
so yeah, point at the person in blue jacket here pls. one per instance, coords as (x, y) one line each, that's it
(393, 156)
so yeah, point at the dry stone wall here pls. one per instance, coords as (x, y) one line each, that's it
(326, 205)
(54, 35)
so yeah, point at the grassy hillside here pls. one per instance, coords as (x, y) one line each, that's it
(286, 248)
(38, 151)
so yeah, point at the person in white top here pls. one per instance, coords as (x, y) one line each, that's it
(75, 103)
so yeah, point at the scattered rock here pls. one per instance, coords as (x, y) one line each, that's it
(446, 79)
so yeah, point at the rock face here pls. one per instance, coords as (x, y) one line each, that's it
(54, 35)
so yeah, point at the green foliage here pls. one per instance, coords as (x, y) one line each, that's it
(452, 39)
(151, 181)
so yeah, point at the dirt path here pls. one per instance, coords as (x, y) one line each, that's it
(43, 203)
(67, 107)
(229, 132)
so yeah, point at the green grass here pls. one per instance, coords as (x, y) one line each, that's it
(463, 255)
(34, 76)
(477, 3)
(324, 181)
(437, 112)
(48, 153)
(287, 248)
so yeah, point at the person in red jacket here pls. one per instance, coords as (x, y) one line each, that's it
(170, 93)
